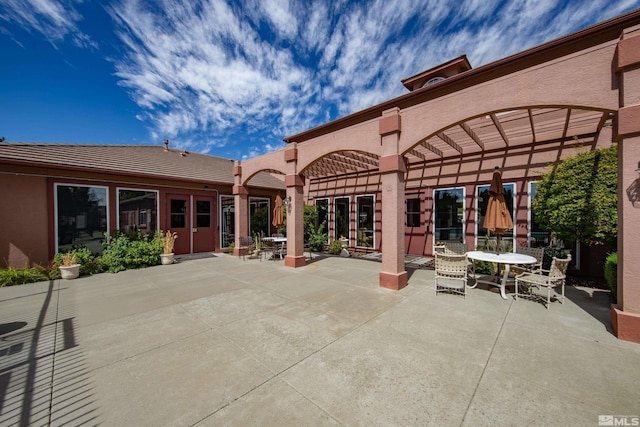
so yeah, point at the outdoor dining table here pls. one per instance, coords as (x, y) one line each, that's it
(506, 258)
(281, 240)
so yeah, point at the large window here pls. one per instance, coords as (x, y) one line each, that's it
(537, 236)
(322, 221)
(342, 217)
(259, 216)
(482, 201)
(227, 221)
(137, 210)
(81, 216)
(449, 215)
(366, 221)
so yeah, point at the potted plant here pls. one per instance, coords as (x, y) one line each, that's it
(168, 240)
(69, 269)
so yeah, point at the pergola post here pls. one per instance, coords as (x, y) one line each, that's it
(392, 169)
(295, 221)
(625, 316)
(241, 208)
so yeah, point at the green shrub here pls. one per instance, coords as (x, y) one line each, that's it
(549, 254)
(128, 251)
(611, 274)
(335, 248)
(317, 241)
(12, 276)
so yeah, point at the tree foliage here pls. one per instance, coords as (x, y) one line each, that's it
(578, 198)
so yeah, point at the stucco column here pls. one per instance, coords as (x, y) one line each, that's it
(625, 316)
(241, 208)
(295, 221)
(392, 169)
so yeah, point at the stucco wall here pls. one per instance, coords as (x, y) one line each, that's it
(23, 225)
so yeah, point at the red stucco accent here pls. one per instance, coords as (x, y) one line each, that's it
(628, 52)
(295, 261)
(390, 124)
(625, 325)
(392, 163)
(240, 190)
(393, 281)
(293, 181)
(237, 170)
(628, 120)
(291, 154)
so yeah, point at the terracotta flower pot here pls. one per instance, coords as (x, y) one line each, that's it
(70, 271)
(166, 259)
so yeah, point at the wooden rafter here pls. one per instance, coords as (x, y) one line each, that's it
(533, 128)
(348, 160)
(362, 157)
(465, 127)
(450, 142)
(566, 124)
(431, 148)
(417, 154)
(498, 126)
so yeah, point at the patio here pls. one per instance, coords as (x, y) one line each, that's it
(222, 341)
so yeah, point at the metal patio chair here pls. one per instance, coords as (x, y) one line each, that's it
(450, 269)
(549, 279)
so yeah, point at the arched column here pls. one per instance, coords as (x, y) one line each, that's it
(392, 169)
(241, 208)
(295, 210)
(625, 316)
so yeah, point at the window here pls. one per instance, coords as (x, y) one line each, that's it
(322, 221)
(341, 217)
(449, 215)
(413, 212)
(537, 236)
(178, 213)
(259, 216)
(482, 201)
(227, 220)
(203, 214)
(137, 210)
(81, 216)
(366, 221)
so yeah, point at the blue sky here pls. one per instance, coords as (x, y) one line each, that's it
(233, 78)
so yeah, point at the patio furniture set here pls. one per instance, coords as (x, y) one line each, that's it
(455, 267)
(269, 247)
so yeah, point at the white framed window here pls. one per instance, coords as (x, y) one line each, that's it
(81, 215)
(536, 236)
(448, 218)
(342, 217)
(366, 221)
(138, 209)
(259, 215)
(227, 220)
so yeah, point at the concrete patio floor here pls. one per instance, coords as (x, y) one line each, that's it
(222, 341)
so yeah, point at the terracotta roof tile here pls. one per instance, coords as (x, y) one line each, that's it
(136, 159)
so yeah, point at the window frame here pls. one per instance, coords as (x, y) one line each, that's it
(435, 213)
(373, 214)
(138, 189)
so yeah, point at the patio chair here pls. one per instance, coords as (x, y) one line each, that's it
(269, 247)
(451, 268)
(453, 248)
(548, 279)
(246, 245)
(537, 253)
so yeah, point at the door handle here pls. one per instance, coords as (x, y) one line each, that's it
(195, 230)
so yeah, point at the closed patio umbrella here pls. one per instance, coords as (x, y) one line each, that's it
(498, 218)
(278, 217)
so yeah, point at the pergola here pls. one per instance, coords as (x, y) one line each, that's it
(523, 111)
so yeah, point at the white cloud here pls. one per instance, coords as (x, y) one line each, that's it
(53, 19)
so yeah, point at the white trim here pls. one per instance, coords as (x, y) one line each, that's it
(348, 216)
(192, 222)
(55, 207)
(373, 246)
(268, 211)
(137, 189)
(434, 210)
(315, 203)
(221, 216)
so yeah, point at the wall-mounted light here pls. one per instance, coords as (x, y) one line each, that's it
(287, 201)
